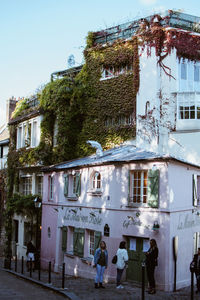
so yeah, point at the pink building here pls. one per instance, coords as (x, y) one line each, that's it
(121, 194)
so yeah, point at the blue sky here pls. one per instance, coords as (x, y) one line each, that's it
(38, 36)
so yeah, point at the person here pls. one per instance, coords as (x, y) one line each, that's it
(196, 268)
(100, 263)
(151, 263)
(122, 259)
(30, 255)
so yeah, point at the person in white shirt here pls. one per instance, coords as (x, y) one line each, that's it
(122, 258)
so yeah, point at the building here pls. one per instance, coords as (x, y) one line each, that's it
(145, 81)
(4, 148)
(123, 194)
(27, 177)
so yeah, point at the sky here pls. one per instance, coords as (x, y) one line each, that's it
(38, 36)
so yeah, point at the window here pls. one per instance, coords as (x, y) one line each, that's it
(78, 242)
(111, 72)
(39, 185)
(94, 241)
(34, 136)
(27, 233)
(26, 185)
(72, 185)
(51, 186)
(1, 151)
(49, 232)
(64, 238)
(96, 181)
(91, 239)
(196, 73)
(188, 107)
(139, 186)
(144, 187)
(121, 120)
(19, 137)
(55, 133)
(183, 71)
(196, 189)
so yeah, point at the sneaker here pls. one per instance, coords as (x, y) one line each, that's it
(121, 286)
(118, 287)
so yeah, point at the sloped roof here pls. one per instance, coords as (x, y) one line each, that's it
(4, 134)
(122, 154)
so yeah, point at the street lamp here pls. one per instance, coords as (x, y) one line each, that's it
(38, 203)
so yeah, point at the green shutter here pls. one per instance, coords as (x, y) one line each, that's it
(97, 239)
(66, 183)
(64, 238)
(194, 188)
(79, 235)
(78, 184)
(129, 184)
(153, 188)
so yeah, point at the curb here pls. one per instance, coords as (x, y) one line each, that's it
(68, 295)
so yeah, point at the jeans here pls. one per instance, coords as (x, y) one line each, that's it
(99, 275)
(119, 275)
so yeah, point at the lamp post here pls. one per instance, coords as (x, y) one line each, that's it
(37, 202)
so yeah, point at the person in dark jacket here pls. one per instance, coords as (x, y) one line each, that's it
(151, 263)
(196, 268)
(101, 263)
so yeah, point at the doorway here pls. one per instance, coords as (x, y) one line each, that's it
(137, 246)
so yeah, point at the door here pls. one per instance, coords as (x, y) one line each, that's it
(136, 249)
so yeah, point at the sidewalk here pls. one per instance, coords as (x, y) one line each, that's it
(81, 288)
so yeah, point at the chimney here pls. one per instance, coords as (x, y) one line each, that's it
(10, 107)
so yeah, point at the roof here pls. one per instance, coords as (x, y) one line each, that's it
(171, 18)
(4, 134)
(123, 154)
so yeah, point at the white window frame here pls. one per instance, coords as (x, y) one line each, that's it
(111, 72)
(96, 182)
(137, 195)
(51, 188)
(91, 243)
(27, 184)
(27, 134)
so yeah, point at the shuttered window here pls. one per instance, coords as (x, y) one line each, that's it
(194, 188)
(143, 187)
(153, 188)
(64, 238)
(78, 243)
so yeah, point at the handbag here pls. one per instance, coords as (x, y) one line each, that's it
(114, 259)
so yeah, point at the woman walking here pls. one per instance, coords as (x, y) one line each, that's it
(122, 258)
(101, 263)
(151, 263)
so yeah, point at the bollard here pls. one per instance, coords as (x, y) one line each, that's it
(39, 270)
(10, 262)
(49, 273)
(143, 281)
(63, 276)
(192, 285)
(22, 266)
(31, 267)
(16, 263)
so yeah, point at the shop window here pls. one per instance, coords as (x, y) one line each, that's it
(78, 242)
(64, 238)
(94, 241)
